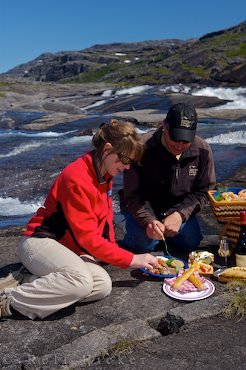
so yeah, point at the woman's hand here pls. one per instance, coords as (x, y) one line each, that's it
(155, 230)
(145, 260)
(172, 223)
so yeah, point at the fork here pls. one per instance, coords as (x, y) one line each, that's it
(165, 245)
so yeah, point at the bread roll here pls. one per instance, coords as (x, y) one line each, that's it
(233, 273)
(182, 278)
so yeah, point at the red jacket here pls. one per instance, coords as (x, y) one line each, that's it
(78, 213)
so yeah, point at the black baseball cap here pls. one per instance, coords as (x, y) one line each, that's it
(182, 122)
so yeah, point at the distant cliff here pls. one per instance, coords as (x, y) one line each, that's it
(216, 59)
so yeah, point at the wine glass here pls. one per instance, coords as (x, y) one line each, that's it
(224, 248)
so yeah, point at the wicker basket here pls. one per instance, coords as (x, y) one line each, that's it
(226, 211)
(231, 230)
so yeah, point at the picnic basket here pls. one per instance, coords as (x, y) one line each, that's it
(231, 230)
(226, 211)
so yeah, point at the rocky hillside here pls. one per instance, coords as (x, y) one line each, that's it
(218, 58)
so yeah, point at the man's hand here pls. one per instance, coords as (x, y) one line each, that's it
(155, 230)
(172, 224)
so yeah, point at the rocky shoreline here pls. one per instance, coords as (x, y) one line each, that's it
(61, 103)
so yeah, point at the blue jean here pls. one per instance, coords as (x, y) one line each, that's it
(187, 239)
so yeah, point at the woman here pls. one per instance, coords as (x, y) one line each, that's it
(74, 227)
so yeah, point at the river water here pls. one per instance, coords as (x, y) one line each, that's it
(30, 160)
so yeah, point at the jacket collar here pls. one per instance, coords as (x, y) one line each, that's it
(101, 179)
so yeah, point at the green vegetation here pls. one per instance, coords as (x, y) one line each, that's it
(5, 84)
(199, 70)
(226, 39)
(237, 304)
(152, 63)
(239, 51)
(119, 351)
(98, 74)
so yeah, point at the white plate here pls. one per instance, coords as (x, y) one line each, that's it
(191, 296)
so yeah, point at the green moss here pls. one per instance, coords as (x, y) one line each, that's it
(199, 70)
(237, 304)
(5, 84)
(238, 51)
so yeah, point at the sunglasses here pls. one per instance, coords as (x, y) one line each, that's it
(124, 159)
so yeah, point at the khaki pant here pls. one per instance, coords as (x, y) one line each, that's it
(61, 278)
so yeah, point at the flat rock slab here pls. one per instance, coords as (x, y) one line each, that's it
(80, 333)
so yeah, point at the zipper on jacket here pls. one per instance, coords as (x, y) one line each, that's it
(177, 171)
(109, 194)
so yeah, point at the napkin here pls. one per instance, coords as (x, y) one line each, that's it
(187, 286)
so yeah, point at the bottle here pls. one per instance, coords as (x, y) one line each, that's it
(240, 250)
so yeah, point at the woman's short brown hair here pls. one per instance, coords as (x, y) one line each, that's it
(122, 136)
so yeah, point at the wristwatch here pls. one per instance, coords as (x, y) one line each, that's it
(164, 215)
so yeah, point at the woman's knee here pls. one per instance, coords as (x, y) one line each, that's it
(105, 286)
(80, 286)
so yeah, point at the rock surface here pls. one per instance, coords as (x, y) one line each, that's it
(81, 334)
(214, 59)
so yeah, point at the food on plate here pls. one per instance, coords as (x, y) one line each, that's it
(185, 283)
(196, 282)
(185, 276)
(168, 266)
(204, 259)
(233, 273)
(163, 268)
(205, 269)
(176, 263)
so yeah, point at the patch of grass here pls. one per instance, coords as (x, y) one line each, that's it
(199, 71)
(98, 74)
(5, 84)
(237, 304)
(238, 52)
(120, 350)
(226, 39)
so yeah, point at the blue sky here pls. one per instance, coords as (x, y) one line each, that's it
(29, 28)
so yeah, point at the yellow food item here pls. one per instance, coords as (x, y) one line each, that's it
(196, 282)
(234, 273)
(205, 269)
(242, 194)
(185, 276)
(203, 258)
(230, 196)
(177, 263)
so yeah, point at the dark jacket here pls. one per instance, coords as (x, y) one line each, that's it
(163, 184)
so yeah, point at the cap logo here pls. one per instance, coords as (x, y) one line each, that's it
(186, 122)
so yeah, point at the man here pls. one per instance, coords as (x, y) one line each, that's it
(164, 194)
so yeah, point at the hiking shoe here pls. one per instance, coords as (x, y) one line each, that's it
(15, 277)
(5, 305)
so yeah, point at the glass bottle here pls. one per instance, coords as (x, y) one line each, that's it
(240, 250)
